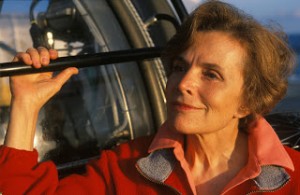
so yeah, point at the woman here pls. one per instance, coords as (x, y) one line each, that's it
(225, 72)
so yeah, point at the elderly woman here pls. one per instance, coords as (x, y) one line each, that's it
(225, 71)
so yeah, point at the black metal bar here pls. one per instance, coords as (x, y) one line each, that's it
(180, 9)
(81, 61)
(168, 18)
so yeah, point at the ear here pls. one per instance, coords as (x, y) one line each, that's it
(242, 112)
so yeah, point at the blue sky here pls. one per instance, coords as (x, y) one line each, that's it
(21, 6)
(284, 12)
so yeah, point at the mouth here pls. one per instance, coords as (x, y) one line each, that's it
(184, 107)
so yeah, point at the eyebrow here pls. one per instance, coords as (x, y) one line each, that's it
(205, 65)
(180, 59)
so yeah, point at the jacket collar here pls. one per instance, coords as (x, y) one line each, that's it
(263, 140)
(158, 165)
(268, 172)
(271, 178)
(166, 138)
(265, 169)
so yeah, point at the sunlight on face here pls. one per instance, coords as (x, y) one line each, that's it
(205, 87)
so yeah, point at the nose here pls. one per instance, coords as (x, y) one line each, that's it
(188, 82)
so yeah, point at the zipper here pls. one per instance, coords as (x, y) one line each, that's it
(157, 182)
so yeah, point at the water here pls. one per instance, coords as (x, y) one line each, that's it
(291, 103)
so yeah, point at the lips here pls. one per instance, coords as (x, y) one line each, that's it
(183, 107)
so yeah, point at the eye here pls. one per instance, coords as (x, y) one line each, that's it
(211, 75)
(178, 67)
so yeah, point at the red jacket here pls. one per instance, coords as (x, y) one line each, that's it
(130, 169)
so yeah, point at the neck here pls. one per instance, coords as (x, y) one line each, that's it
(216, 152)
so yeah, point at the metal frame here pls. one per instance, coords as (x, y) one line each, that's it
(82, 61)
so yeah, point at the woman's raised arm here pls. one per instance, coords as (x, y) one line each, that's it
(29, 94)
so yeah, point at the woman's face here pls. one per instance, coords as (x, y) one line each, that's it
(204, 89)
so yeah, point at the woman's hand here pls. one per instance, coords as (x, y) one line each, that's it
(29, 94)
(35, 90)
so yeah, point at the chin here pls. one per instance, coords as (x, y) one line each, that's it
(184, 127)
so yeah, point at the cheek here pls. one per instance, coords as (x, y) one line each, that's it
(230, 102)
(221, 99)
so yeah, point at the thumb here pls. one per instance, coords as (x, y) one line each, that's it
(65, 75)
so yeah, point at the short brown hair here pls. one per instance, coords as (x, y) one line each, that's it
(269, 59)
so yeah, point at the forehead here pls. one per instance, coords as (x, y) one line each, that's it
(215, 47)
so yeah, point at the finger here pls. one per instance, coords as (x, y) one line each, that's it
(35, 57)
(44, 55)
(62, 77)
(24, 57)
(53, 54)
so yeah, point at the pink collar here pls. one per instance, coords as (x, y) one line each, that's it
(264, 146)
(166, 138)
